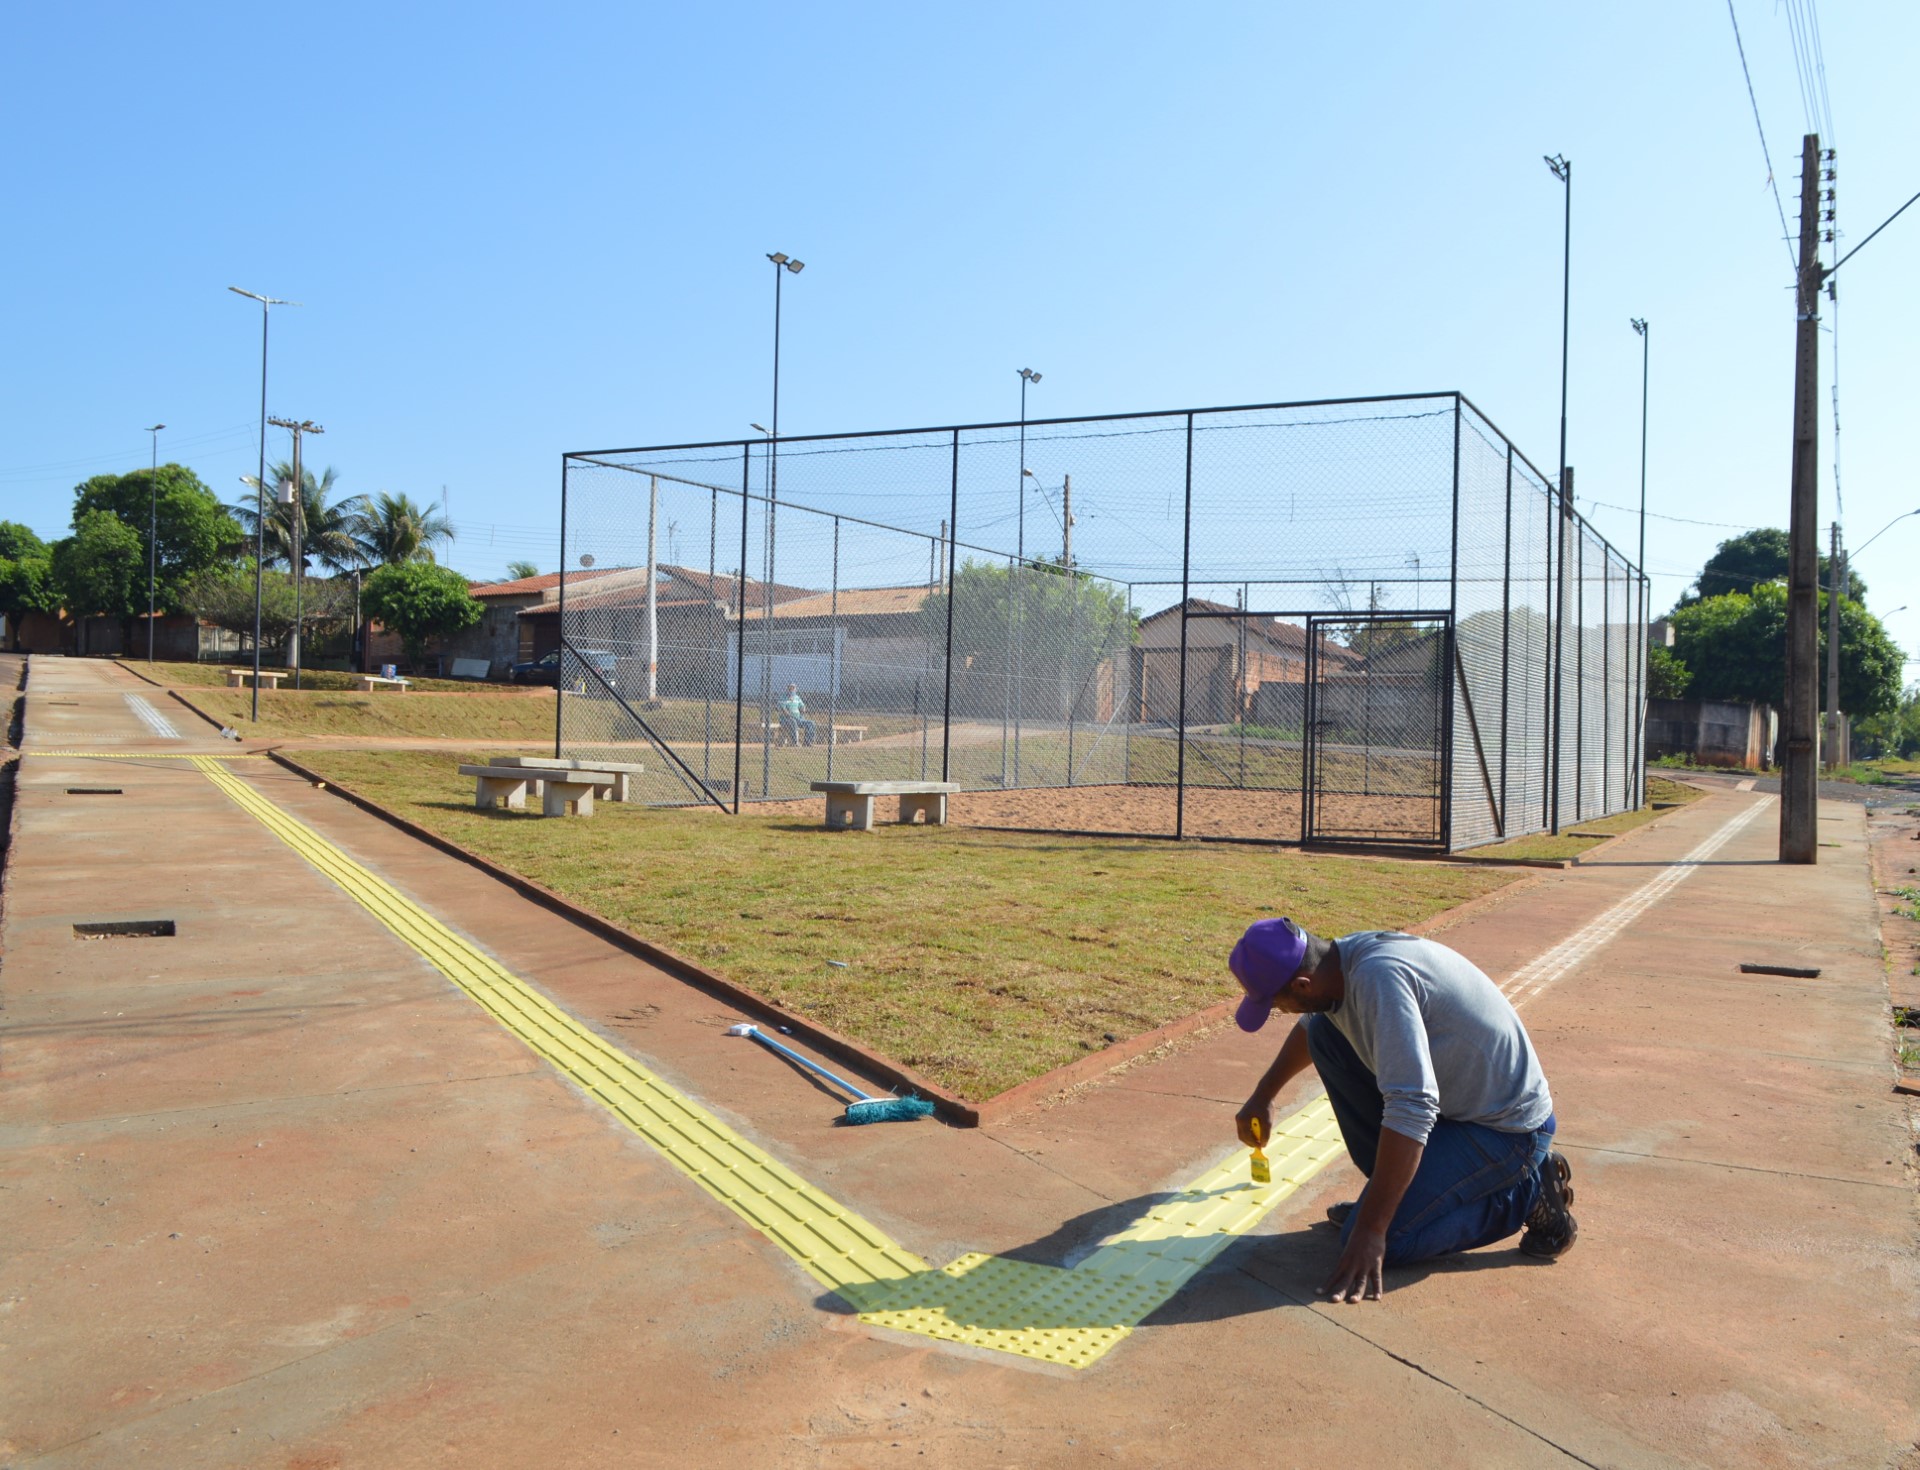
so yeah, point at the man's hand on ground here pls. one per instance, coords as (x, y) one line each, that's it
(1359, 1275)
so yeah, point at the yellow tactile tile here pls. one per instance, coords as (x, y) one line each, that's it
(149, 755)
(1069, 1317)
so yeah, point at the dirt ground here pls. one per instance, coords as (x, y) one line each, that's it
(1149, 811)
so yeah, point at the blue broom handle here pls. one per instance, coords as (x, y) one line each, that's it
(812, 1066)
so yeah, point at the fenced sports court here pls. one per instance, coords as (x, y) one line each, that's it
(1351, 621)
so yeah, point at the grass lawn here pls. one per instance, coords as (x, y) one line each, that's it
(214, 676)
(473, 714)
(1574, 841)
(980, 959)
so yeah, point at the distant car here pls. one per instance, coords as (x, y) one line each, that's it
(547, 670)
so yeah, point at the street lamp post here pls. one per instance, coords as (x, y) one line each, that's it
(153, 524)
(784, 265)
(1562, 168)
(1639, 324)
(267, 303)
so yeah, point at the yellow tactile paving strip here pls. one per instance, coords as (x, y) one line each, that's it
(148, 755)
(1045, 1312)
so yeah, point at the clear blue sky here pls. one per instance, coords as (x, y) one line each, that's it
(520, 230)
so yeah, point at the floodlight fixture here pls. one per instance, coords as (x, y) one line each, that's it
(1562, 167)
(1639, 324)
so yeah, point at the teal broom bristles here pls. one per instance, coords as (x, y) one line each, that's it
(865, 1109)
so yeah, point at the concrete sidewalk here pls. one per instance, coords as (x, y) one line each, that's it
(280, 1195)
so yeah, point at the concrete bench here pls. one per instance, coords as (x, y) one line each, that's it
(563, 794)
(850, 803)
(619, 787)
(269, 679)
(367, 683)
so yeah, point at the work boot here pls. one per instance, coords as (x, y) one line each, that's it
(1551, 1230)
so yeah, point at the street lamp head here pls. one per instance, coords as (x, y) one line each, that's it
(758, 429)
(263, 300)
(1030, 474)
(796, 266)
(1030, 375)
(1562, 167)
(780, 258)
(156, 428)
(777, 257)
(1639, 325)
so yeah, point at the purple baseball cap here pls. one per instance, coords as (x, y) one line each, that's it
(1265, 960)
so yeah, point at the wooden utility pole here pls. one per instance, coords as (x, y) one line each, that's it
(1799, 778)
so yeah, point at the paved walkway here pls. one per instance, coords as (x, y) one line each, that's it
(279, 1194)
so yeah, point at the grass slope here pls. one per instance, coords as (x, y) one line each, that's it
(981, 959)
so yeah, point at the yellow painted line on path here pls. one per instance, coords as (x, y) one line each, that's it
(148, 755)
(1070, 1317)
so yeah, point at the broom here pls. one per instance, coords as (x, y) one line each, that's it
(866, 1109)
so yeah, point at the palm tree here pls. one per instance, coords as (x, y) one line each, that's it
(327, 530)
(520, 570)
(391, 528)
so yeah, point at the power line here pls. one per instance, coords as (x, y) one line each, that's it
(1786, 235)
(1653, 515)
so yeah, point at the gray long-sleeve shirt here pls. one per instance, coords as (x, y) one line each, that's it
(1440, 1037)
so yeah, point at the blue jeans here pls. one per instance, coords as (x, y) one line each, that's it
(1475, 1184)
(796, 725)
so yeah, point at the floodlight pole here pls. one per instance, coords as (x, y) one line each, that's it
(267, 303)
(153, 527)
(1562, 168)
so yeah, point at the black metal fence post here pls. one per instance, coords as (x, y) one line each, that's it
(1506, 641)
(1186, 575)
(953, 536)
(833, 651)
(1454, 666)
(740, 626)
(560, 653)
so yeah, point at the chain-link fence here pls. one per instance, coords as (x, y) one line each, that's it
(1355, 621)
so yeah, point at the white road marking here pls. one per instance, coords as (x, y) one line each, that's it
(151, 717)
(1536, 975)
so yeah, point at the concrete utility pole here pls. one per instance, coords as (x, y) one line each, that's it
(1833, 738)
(1799, 778)
(1066, 518)
(296, 519)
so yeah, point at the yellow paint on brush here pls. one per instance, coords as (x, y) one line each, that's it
(1070, 1317)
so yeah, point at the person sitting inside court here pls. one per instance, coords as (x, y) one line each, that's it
(793, 715)
(1434, 1084)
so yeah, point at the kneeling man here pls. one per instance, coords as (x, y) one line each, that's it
(1435, 1086)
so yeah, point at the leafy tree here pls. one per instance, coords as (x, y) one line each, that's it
(192, 529)
(223, 596)
(420, 602)
(1667, 677)
(101, 569)
(329, 529)
(18, 542)
(1895, 733)
(1736, 647)
(391, 529)
(26, 586)
(517, 570)
(1067, 623)
(1743, 562)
